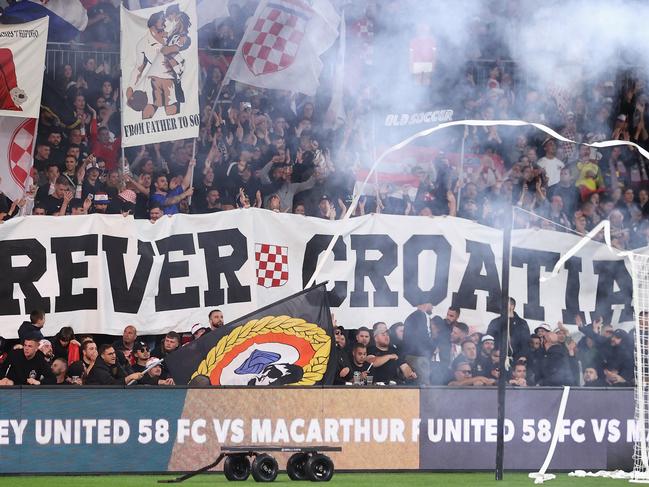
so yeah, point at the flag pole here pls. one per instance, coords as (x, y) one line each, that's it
(122, 98)
(461, 175)
(191, 177)
(30, 180)
(504, 344)
(125, 166)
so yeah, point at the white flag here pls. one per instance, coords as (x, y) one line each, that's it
(159, 57)
(282, 45)
(210, 10)
(335, 116)
(16, 150)
(22, 64)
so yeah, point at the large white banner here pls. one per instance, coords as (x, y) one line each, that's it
(98, 273)
(22, 64)
(159, 55)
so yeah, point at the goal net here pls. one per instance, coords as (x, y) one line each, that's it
(640, 276)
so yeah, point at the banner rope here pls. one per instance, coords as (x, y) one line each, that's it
(540, 476)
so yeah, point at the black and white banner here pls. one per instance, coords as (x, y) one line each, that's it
(99, 273)
(159, 55)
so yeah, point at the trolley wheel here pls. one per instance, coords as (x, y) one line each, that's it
(319, 468)
(264, 468)
(295, 467)
(236, 467)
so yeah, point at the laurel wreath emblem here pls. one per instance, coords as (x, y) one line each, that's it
(316, 336)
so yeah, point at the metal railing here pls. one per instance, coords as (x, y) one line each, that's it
(59, 54)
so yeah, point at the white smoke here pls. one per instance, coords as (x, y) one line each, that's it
(565, 42)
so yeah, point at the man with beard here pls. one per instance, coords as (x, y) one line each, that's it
(482, 364)
(216, 319)
(445, 326)
(106, 371)
(358, 363)
(385, 361)
(555, 369)
(168, 196)
(591, 378)
(78, 370)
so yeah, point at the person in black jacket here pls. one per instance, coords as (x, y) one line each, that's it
(170, 343)
(519, 332)
(555, 367)
(26, 366)
(32, 328)
(418, 343)
(106, 372)
(61, 342)
(79, 370)
(615, 352)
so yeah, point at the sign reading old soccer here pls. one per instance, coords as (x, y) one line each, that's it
(160, 73)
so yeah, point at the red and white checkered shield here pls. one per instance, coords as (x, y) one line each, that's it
(273, 42)
(272, 265)
(20, 151)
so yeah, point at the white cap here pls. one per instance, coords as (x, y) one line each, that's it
(198, 327)
(152, 360)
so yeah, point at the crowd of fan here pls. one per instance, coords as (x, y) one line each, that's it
(276, 150)
(436, 350)
(68, 359)
(423, 350)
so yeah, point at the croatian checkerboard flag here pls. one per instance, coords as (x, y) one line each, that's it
(282, 45)
(16, 149)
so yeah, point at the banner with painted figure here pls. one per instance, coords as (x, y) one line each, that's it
(159, 56)
(286, 343)
(22, 64)
(99, 273)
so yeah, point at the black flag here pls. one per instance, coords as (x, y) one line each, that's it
(288, 342)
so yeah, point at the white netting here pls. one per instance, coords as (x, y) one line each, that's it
(640, 275)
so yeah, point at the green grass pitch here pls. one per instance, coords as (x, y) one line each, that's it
(341, 479)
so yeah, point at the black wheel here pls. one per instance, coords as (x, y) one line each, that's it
(236, 467)
(264, 468)
(319, 468)
(295, 467)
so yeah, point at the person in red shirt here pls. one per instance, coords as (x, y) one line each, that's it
(423, 54)
(102, 147)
